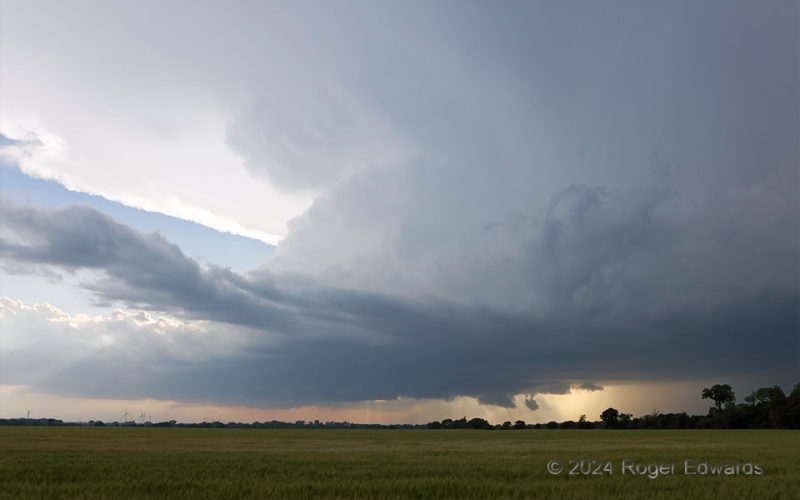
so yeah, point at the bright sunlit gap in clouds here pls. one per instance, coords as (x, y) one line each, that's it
(384, 213)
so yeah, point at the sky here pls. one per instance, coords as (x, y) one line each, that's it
(396, 212)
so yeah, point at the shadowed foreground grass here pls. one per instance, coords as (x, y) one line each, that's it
(92, 462)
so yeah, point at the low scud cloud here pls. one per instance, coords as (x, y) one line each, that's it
(531, 404)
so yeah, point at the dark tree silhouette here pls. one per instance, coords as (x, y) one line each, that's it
(721, 394)
(610, 418)
(772, 394)
(479, 423)
(793, 406)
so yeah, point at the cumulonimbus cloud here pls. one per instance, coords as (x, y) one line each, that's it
(492, 218)
(321, 343)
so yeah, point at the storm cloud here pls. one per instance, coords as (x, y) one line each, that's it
(507, 200)
(312, 343)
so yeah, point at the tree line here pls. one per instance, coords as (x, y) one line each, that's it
(764, 408)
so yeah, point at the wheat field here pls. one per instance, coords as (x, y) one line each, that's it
(119, 462)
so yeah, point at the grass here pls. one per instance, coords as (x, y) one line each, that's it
(97, 462)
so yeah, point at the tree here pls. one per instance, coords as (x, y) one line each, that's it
(777, 405)
(583, 424)
(772, 394)
(610, 418)
(519, 424)
(721, 394)
(794, 407)
(479, 423)
(506, 425)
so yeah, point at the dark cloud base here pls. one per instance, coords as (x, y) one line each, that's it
(315, 344)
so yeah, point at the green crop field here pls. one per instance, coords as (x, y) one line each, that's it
(95, 462)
